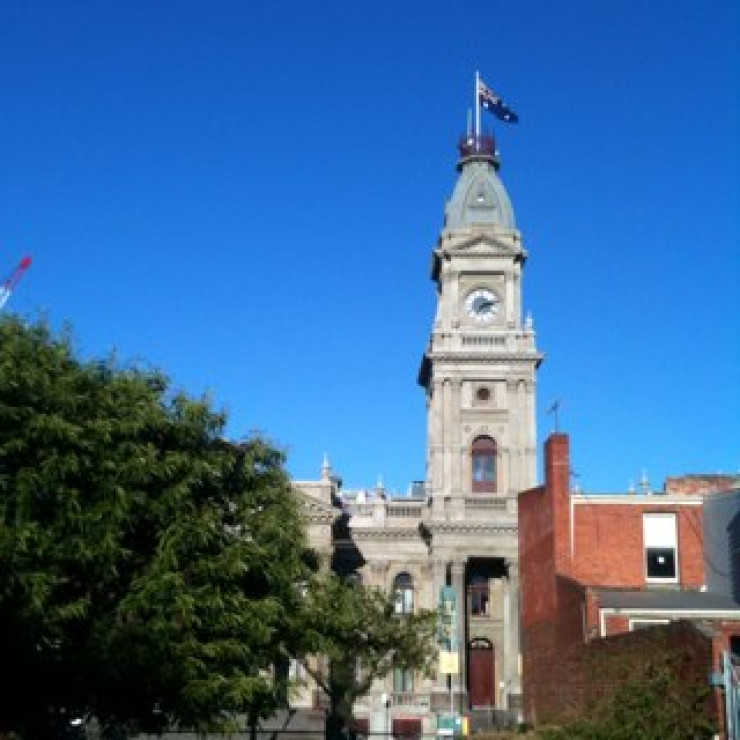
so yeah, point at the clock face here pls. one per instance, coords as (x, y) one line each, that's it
(482, 305)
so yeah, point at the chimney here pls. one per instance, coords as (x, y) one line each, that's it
(557, 487)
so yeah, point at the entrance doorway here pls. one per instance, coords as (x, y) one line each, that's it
(481, 678)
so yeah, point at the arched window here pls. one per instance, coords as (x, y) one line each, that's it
(403, 588)
(483, 464)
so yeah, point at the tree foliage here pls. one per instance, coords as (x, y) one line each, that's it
(360, 638)
(147, 566)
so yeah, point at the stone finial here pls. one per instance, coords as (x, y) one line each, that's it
(380, 486)
(325, 468)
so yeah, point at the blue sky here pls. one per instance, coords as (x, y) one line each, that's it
(246, 195)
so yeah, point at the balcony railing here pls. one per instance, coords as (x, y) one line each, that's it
(469, 145)
(409, 699)
(405, 511)
(488, 503)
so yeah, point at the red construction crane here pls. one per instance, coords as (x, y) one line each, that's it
(7, 286)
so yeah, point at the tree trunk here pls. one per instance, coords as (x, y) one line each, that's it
(338, 721)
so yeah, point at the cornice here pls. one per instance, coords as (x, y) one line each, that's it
(455, 356)
(386, 533)
(316, 512)
(447, 527)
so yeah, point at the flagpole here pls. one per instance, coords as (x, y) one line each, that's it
(477, 108)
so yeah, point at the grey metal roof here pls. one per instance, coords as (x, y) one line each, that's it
(479, 197)
(667, 600)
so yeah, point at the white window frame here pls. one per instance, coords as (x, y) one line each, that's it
(660, 535)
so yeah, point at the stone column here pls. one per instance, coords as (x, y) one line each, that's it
(454, 422)
(458, 581)
(435, 443)
(504, 474)
(509, 300)
(512, 674)
(513, 435)
(446, 435)
(439, 577)
(531, 436)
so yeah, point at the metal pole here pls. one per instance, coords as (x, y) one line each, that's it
(477, 108)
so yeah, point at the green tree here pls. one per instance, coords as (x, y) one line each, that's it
(360, 638)
(147, 566)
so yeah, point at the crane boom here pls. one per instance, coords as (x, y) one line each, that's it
(7, 286)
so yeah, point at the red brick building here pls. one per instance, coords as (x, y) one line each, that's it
(596, 566)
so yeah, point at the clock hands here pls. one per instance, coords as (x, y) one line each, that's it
(482, 304)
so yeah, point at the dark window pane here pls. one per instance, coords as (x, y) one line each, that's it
(661, 562)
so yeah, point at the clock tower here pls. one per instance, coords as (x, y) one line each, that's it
(479, 370)
(479, 374)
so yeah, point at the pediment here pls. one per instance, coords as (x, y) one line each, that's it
(315, 510)
(508, 244)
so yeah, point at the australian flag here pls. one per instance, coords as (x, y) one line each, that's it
(492, 102)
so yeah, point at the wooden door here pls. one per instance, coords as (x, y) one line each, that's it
(481, 679)
(406, 728)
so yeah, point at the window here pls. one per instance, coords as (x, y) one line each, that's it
(480, 604)
(403, 588)
(483, 459)
(735, 646)
(660, 548)
(403, 680)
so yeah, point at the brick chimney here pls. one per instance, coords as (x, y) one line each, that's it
(557, 489)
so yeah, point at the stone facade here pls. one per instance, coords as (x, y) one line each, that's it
(459, 527)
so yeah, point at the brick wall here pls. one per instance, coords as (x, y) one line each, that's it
(585, 674)
(693, 484)
(544, 642)
(608, 543)
(536, 557)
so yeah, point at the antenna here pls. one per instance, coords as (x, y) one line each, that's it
(8, 285)
(555, 409)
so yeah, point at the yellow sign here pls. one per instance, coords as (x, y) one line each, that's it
(449, 662)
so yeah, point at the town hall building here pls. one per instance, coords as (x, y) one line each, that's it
(457, 529)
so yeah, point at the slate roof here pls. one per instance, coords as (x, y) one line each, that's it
(667, 600)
